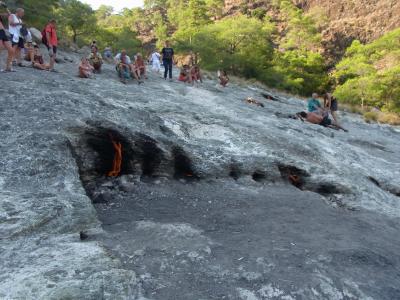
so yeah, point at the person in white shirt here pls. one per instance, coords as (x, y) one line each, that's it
(155, 61)
(15, 29)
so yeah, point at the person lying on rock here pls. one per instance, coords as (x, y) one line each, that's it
(223, 78)
(316, 118)
(85, 69)
(254, 101)
(139, 67)
(95, 60)
(313, 104)
(4, 40)
(184, 74)
(195, 74)
(38, 61)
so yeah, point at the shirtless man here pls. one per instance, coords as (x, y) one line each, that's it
(316, 118)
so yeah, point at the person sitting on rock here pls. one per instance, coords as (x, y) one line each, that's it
(223, 78)
(95, 60)
(139, 68)
(38, 61)
(184, 74)
(85, 69)
(108, 54)
(195, 74)
(316, 118)
(123, 66)
(313, 104)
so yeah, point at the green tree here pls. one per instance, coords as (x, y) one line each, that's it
(369, 74)
(239, 43)
(77, 17)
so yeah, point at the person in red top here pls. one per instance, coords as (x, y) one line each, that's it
(52, 42)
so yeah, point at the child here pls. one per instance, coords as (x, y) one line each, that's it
(85, 69)
(155, 61)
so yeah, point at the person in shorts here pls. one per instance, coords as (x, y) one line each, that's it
(16, 29)
(51, 42)
(331, 104)
(4, 40)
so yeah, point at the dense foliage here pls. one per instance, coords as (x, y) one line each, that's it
(370, 74)
(280, 46)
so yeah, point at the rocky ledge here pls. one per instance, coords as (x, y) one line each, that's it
(217, 198)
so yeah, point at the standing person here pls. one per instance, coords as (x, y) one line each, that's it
(331, 104)
(168, 60)
(95, 60)
(155, 61)
(313, 104)
(51, 41)
(4, 41)
(15, 25)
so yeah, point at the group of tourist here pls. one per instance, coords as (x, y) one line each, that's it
(318, 114)
(19, 43)
(20, 40)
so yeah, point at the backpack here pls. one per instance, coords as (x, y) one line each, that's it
(44, 36)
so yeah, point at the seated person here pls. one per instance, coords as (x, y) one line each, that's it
(313, 104)
(108, 53)
(195, 74)
(123, 66)
(38, 61)
(85, 69)
(223, 78)
(139, 68)
(95, 60)
(316, 118)
(184, 74)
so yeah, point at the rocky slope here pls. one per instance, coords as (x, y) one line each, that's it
(219, 199)
(365, 20)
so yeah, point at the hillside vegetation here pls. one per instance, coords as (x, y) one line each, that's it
(275, 42)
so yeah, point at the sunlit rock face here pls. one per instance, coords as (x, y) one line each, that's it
(216, 198)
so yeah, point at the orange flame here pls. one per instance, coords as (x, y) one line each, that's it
(116, 169)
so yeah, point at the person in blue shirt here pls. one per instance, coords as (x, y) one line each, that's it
(313, 104)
